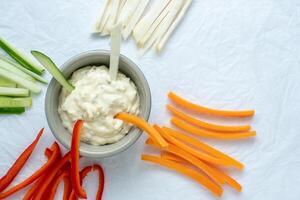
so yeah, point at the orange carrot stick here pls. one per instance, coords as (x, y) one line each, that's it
(191, 159)
(142, 124)
(196, 143)
(209, 134)
(211, 186)
(198, 154)
(208, 126)
(225, 178)
(201, 109)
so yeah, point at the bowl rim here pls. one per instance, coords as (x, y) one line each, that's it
(146, 113)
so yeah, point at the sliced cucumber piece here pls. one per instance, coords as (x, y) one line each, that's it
(16, 92)
(8, 102)
(7, 83)
(30, 73)
(17, 110)
(20, 80)
(9, 67)
(20, 58)
(52, 68)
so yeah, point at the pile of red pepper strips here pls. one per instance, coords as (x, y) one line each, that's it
(58, 168)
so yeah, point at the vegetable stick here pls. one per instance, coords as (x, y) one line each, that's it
(10, 67)
(11, 102)
(209, 134)
(207, 183)
(19, 163)
(16, 110)
(20, 57)
(170, 156)
(201, 109)
(116, 39)
(135, 18)
(17, 92)
(113, 16)
(198, 154)
(175, 23)
(53, 69)
(30, 73)
(53, 187)
(196, 143)
(143, 25)
(127, 12)
(120, 10)
(191, 159)
(103, 26)
(208, 126)
(7, 83)
(142, 124)
(20, 80)
(174, 7)
(99, 22)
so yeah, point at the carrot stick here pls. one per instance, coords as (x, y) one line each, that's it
(201, 109)
(142, 124)
(209, 134)
(207, 183)
(172, 157)
(196, 143)
(198, 154)
(208, 126)
(191, 159)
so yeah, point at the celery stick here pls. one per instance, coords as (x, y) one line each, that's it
(7, 83)
(20, 80)
(8, 102)
(52, 68)
(17, 92)
(30, 73)
(20, 58)
(9, 67)
(17, 110)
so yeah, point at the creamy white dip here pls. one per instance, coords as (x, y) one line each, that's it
(96, 100)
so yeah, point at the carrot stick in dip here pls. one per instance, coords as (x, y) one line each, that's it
(201, 109)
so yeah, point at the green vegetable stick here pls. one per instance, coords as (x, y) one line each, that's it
(9, 102)
(16, 92)
(13, 69)
(7, 83)
(17, 110)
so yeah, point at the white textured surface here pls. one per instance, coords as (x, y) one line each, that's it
(226, 54)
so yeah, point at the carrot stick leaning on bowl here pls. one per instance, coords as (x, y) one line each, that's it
(210, 134)
(201, 109)
(205, 125)
(142, 124)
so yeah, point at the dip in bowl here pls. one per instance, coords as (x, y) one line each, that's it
(111, 136)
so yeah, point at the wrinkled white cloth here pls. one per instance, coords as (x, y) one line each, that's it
(226, 54)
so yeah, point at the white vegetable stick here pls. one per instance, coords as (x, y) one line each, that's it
(143, 25)
(135, 18)
(127, 12)
(97, 28)
(104, 31)
(121, 7)
(163, 27)
(174, 6)
(176, 22)
(113, 17)
(115, 51)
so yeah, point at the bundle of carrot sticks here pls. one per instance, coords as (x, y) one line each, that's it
(188, 155)
(45, 181)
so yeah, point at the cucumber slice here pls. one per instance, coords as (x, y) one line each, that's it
(20, 80)
(30, 73)
(16, 92)
(7, 83)
(9, 67)
(20, 58)
(52, 68)
(17, 110)
(8, 102)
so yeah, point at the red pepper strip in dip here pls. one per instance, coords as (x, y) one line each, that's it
(51, 175)
(19, 163)
(41, 171)
(75, 177)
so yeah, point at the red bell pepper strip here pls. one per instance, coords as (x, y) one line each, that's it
(19, 163)
(47, 179)
(75, 177)
(67, 188)
(83, 174)
(40, 172)
(61, 176)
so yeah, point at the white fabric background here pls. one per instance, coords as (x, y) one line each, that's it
(226, 54)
